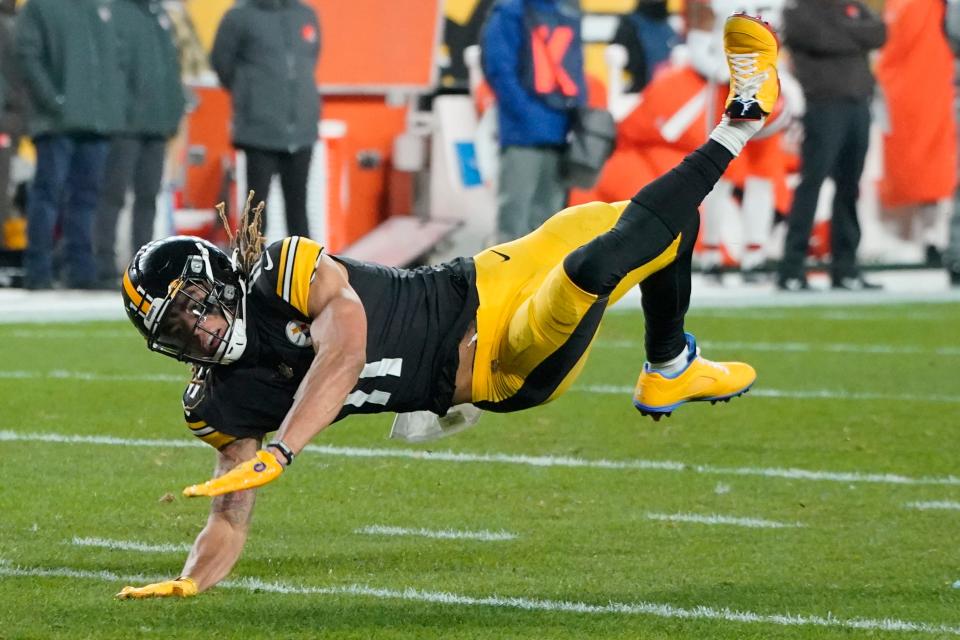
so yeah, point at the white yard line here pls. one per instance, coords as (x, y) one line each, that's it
(410, 594)
(519, 459)
(822, 313)
(801, 347)
(440, 534)
(936, 504)
(39, 333)
(128, 545)
(91, 376)
(801, 394)
(804, 394)
(753, 523)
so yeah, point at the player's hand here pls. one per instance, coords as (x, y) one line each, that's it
(253, 473)
(179, 588)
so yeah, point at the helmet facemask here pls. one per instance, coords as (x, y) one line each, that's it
(200, 320)
(188, 298)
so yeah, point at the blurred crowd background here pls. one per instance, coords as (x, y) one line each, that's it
(411, 134)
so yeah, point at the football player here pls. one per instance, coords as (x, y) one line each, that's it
(290, 339)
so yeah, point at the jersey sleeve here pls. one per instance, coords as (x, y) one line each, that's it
(207, 433)
(205, 421)
(286, 270)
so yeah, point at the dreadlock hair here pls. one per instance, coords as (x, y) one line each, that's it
(248, 241)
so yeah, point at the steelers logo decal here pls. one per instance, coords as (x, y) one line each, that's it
(298, 333)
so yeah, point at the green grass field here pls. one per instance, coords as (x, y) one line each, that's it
(852, 421)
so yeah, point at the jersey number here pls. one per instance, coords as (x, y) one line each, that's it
(378, 369)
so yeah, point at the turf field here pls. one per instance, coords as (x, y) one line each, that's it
(824, 504)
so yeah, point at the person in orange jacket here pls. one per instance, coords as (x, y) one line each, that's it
(915, 72)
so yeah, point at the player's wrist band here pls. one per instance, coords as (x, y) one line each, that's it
(282, 447)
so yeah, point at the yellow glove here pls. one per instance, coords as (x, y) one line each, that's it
(179, 588)
(253, 473)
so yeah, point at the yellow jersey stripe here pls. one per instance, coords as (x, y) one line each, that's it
(302, 270)
(135, 295)
(199, 424)
(217, 440)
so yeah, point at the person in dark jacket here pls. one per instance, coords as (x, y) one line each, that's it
(13, 113)
(830, 40)
(265, 54)
(68, 56)
(533, 60)
(951, 257)
(155, 105)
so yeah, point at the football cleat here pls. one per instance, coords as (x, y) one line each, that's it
(751, 47)
(701, 380)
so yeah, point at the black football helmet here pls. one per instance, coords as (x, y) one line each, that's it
(186, 297)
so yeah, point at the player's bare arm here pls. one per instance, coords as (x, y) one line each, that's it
(218, 547)
(338, 331)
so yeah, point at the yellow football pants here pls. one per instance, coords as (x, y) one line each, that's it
(535, 326)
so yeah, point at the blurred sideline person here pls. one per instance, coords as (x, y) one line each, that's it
(915, 72)
(829, 41)
(13, 122)
(951, 256)
(67, 52)
(532, 57)
(292, 338)
(265, 54)
(647, 36)
(155, 104)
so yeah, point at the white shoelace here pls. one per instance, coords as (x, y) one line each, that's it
(746, 80)
(715, 365)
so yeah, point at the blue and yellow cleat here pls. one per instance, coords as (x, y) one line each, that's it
(702, 380)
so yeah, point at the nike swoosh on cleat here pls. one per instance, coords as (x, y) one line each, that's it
(502, 255)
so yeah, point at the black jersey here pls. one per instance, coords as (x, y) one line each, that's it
(415, 320)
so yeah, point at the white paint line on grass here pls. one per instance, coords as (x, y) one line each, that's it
(128, 545)
(880, 316)
(503, 458)
(810, 394)
(814, 394)
(68, 334)
(801, 347)
(654, 609)
(90, 376)
(441, 534)
(936, 504)
(753, 523)
(57, 438)
(824, 314)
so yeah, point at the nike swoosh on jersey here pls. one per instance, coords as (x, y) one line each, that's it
(502, 255)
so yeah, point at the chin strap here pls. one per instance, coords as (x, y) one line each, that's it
(238, 330)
